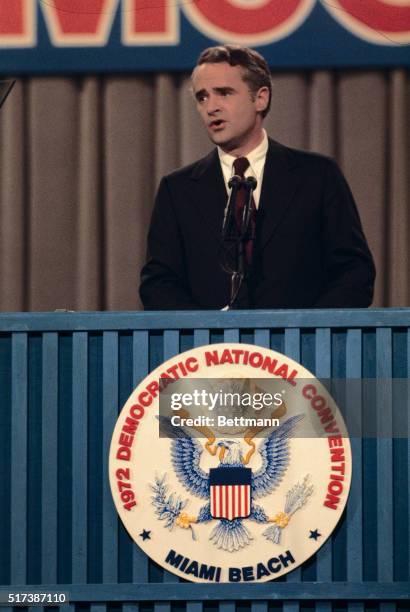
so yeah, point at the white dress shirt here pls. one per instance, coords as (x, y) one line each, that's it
(256, 167)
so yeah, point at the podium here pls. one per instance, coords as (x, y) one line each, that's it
(63, 379)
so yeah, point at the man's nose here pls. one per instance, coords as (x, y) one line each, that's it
(213, 105)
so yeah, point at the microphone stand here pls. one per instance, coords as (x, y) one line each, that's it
(238, 276)
(229, 214)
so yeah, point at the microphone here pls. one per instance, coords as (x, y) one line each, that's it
(234, 184)
(250, 185)
(234, 181)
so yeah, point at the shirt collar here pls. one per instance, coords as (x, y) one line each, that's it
(256, 157)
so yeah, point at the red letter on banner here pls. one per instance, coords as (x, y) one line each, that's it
(79, 22)
(147, 22)
(17, 23)
(232, 20)
(383, 22)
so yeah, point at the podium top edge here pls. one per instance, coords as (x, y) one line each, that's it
(204, 320)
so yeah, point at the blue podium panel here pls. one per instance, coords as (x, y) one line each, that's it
(63, 380)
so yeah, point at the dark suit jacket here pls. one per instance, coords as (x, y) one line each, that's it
(309, 251)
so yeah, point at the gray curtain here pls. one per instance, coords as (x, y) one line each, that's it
(80, 160)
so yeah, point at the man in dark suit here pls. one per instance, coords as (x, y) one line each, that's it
(307, 248)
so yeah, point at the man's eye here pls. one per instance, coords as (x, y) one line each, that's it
(201, 98)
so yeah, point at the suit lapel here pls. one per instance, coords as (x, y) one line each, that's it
(209, 192)
(278, 188)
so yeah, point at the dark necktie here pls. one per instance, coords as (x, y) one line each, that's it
(240, 165)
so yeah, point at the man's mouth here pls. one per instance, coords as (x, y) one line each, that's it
(216, 124)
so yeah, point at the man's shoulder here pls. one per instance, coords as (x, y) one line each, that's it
(300, 157)
(193, 169)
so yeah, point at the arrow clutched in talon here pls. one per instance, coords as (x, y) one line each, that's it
(193, 534)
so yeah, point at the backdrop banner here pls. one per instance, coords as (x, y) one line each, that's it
(49, 36)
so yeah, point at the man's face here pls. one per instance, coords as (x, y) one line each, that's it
(229, 110)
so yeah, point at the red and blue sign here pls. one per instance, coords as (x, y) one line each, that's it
(46, 36)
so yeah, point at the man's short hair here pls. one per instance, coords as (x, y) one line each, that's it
(256, 71)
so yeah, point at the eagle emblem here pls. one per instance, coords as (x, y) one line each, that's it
(230, 489)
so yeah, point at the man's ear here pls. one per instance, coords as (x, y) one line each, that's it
(262, 99)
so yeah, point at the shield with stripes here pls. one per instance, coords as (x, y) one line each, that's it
(230, 492)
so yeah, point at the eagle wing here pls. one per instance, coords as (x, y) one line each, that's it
(186, 453)
(275, 458)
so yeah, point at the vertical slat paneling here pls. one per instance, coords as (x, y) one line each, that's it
(227, 606)
(80, 458)
(129, 607)
(259, 606)
(292, 350)
(323, 353)
(98, 608)
(140, 351)
(162, 607)
(201, 337)
(194, 606)
(323, 371)
(262, 337)
(231, 335)
(384, 459)
(171, 348)
(171, 343)
(49, 488)
(19, 405)
(109, 415)
(354, 512)
(408, 445)
(140, 356)
(292, 344)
